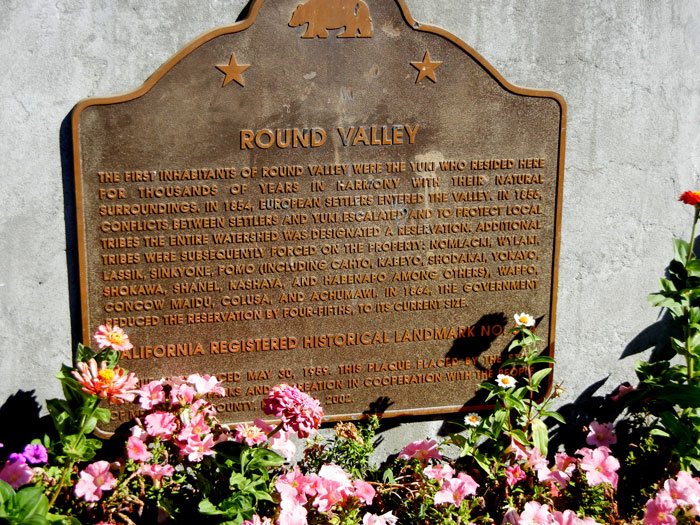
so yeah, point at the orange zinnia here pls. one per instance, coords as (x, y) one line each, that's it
(690, 197)
(108, 383)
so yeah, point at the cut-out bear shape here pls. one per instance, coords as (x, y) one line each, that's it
(322, 15)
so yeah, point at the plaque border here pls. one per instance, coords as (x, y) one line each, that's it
(242, 25)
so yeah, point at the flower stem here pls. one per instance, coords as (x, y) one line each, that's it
(67, 468)
(692, 234)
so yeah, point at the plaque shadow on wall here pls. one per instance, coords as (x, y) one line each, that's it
(65, 138)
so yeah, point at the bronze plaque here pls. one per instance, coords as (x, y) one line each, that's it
(327, 194)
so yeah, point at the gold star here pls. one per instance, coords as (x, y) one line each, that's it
(426, 68)
(233, 71)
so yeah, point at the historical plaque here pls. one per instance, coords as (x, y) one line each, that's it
(327, 194)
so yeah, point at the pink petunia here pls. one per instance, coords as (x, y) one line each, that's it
(16, 473)
(196, 448)
(292, 486)
(535, 513)
(113, 336)
(206, 384)
(182, 394)
(137, 450)
(160, 424)
(364, 491)
(279, 442)
(292, 514)
(374, 519)
(659, 511)
(599, 466)
(684, 490)
(514, 474)
(422, 450)
(456, 489)
(95, 479)
(333, 487)
(601, 434)
(156, 472)
(151, 395)
(439, 473)
(569, 517)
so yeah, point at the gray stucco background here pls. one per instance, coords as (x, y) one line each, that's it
(628, 69)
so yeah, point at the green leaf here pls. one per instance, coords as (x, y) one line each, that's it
(207, 508)
(538, 376)
(103, 414)
(388, 477)
(30, 501)
(6, 492)
(264, 458)
(540, 435)
(554, 415)
(680, 249)
(542, 359)
(83, 353)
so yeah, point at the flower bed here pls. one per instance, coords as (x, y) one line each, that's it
(177, 463)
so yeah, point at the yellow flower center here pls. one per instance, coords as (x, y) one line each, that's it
(106, 375)
(523, 320)
(115, 338)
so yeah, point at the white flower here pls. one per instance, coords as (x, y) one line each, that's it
(524, 319)
(472, 419)
(505, 381)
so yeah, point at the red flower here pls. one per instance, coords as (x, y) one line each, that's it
(108, 383)
(690, 197)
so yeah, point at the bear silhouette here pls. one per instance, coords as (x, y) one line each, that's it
(322, 15)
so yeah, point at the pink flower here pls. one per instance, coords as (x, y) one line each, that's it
(569, 517)
(439, 473)
(93, 480)
(292, 486)
(384, 519)
(16, 473)
(518, 450)
(196, 448)
(659, 511)
(684, 490)
(298, 411)
(601, 434)
(160, 424)
(107, 383)
(151, 395)
(456, 489)
(364, 491)
(195, 427)
(206, 384)
(334, 487)
(292, 514)
(251, 434)
(514, 474)
(511, 517)
(622, 390)
(535, 514)
(156, 472)
(599, 466)
(182, 395)
(137, 450)
(279, 442)
(113, 336)
(422, 450)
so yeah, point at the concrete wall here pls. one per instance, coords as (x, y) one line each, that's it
(628, 70)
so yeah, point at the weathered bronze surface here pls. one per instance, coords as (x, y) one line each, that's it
(327, 194)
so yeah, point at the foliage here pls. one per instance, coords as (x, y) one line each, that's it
(175, 462)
